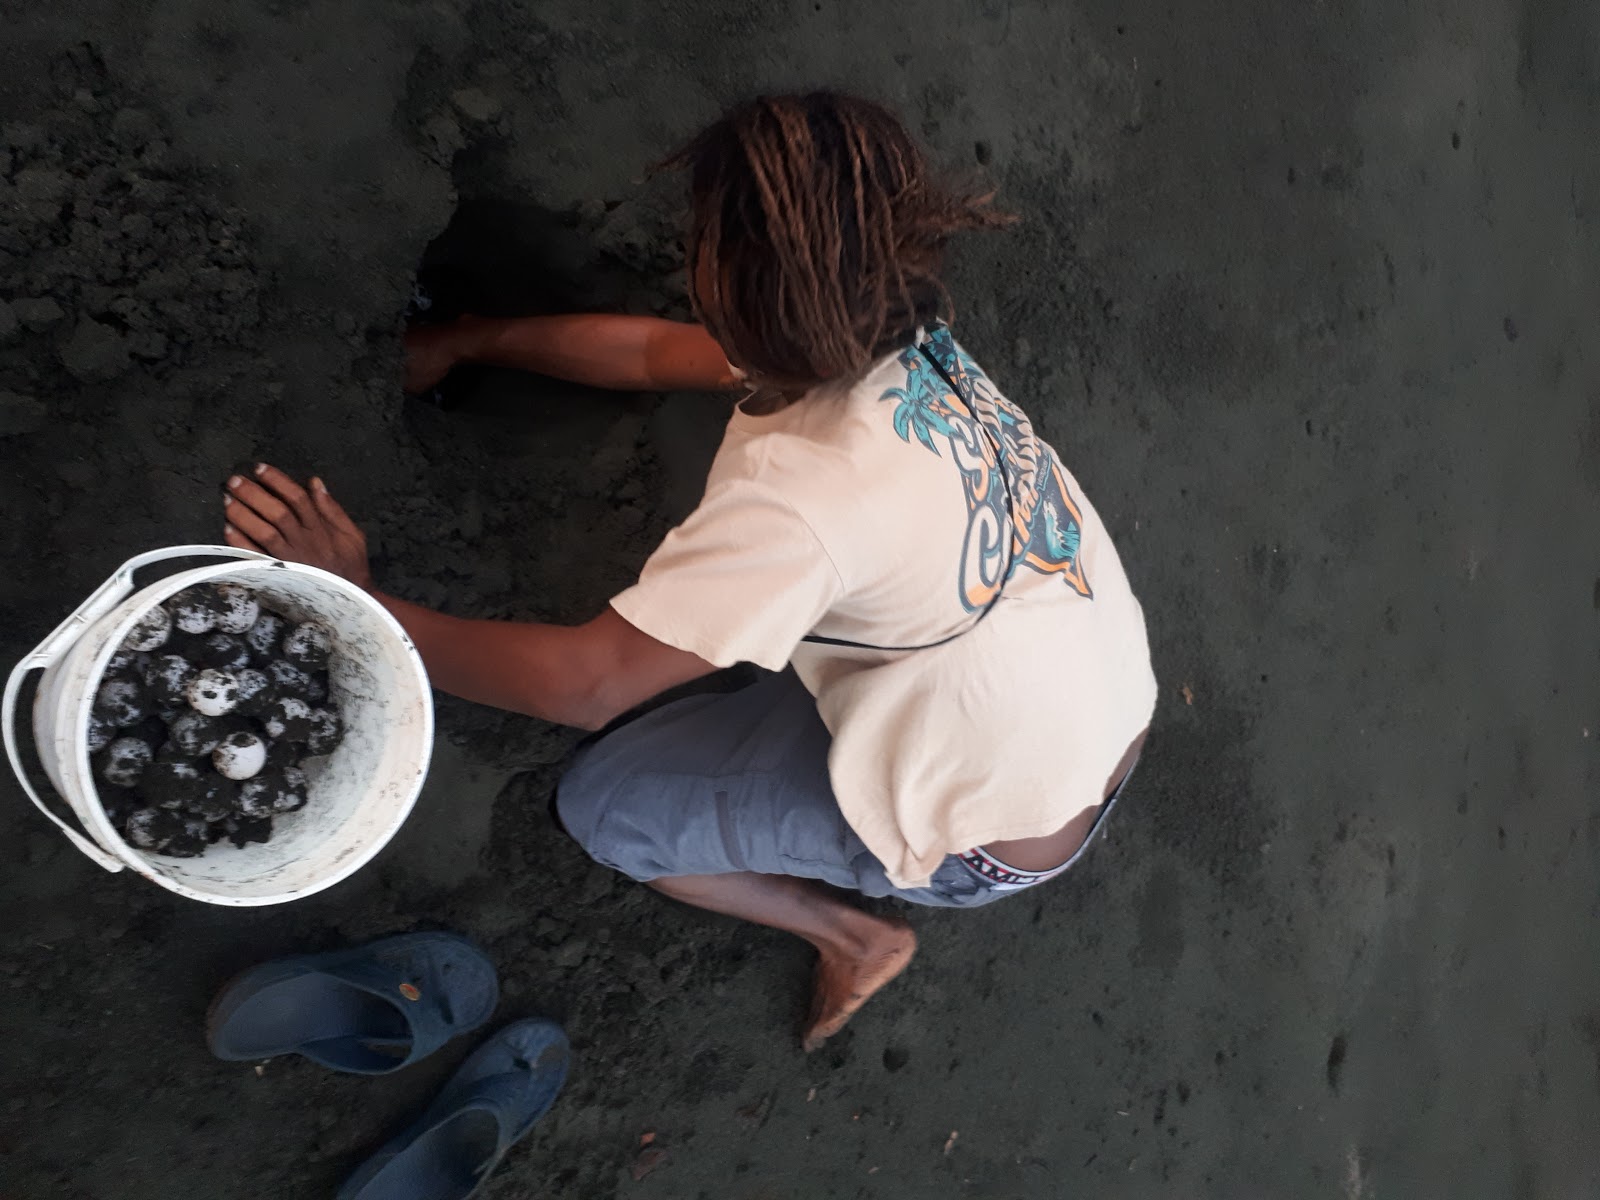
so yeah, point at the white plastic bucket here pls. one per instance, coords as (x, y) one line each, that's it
(357, 799)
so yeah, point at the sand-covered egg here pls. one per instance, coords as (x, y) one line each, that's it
(191, 843)
(256, 691)
(126, 760)
(121, 700)
(273, 793)
(308, 645)
(224, 651)
(289, 720)
(99, 733)
(218, 800)
(264, 636)
(239, 756)
(195, 734)
(149, 632)
(195, 611)
(289, 679)
(174, 783)
(126, 662)
(257, 796)
(238, 608)
(214, 693)
(327, 731)
(151, 828)
(166, 678)
(294, 792)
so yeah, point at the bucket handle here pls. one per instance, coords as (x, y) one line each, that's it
(106, 597)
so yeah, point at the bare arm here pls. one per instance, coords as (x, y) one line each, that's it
(597, 349)
(583, 675)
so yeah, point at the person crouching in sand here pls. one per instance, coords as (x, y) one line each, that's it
(961, 675)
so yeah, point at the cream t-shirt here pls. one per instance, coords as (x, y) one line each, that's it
(886, 513)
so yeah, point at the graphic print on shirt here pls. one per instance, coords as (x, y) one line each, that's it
(1042, 525)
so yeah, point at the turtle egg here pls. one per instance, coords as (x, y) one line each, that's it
(167, 677)
(291, 795)
(99, 733)
(195, 611)
(273, 792)
(127, 662)
(195, 733)
(257, 796)
(189, 842)
(218, 799)
(213, 693)
(255, 691)
(148, 828)
(126, 759)
(224, 651)
(289, 718)
(239, 756)
(291, 680)
(149, 632)
(239, 608)
(120, 701)
(327, 731)
(265, 634)
(308, 645)
(173, 783)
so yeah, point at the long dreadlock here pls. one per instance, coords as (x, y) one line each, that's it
(817, 235)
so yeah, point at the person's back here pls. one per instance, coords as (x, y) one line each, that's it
(965, 624)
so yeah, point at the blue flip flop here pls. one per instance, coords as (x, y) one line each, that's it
(367, 1010)
(502, 1089)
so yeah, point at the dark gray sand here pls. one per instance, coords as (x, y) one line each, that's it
(1308, 298)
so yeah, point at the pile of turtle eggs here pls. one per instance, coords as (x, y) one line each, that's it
(204, 718)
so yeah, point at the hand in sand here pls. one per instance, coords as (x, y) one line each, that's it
(275, 515)
(431, 352)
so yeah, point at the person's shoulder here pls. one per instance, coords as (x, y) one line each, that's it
(817, 441)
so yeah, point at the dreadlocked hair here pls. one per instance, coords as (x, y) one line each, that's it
(817, 235)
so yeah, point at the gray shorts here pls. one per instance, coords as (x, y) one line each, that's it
(717, 784)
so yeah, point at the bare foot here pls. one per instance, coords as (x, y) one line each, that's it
(844, 982)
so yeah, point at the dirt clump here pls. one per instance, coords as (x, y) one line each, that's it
(108, 259)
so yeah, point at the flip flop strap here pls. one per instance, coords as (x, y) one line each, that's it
(415, 992)
(503, 1096)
